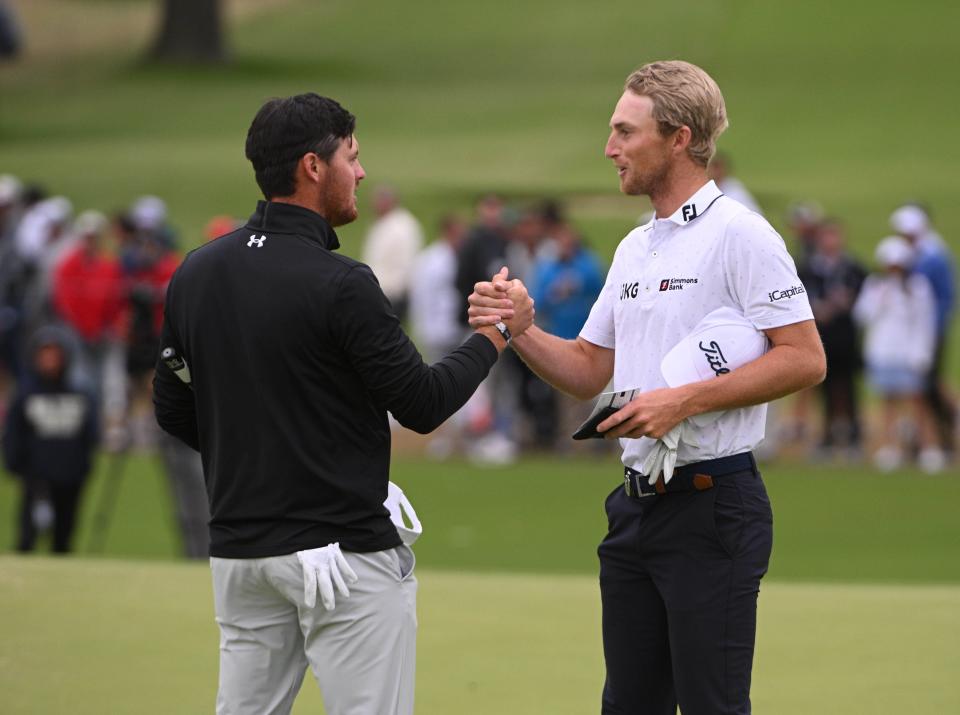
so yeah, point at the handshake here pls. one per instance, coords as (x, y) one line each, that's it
(501, 300)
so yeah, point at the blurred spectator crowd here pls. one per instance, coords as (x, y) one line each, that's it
(81, 306)
(428, 287)
(891, 324)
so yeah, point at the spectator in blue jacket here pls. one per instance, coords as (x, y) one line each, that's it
(49, 438)
(566, 285)
(934, 262)
(566, 282)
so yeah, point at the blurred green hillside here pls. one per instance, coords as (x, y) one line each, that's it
(851, 104)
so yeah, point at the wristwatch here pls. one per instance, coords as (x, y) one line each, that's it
(504, 331)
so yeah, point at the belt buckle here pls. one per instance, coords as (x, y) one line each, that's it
(643, 489)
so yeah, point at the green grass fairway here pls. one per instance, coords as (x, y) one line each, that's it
(545, 515)
(91, 636)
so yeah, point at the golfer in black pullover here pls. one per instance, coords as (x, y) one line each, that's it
(294, 357)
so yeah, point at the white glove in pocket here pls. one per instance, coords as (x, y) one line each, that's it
(324, 569)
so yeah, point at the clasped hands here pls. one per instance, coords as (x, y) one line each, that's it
(500, 299)
(657, 414)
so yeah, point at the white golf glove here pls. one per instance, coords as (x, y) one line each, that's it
(663, 456)
(398, 505)
(323, 569)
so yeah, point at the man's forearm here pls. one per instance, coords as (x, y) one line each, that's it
(795, 361)
(785, 369)
(563, 363)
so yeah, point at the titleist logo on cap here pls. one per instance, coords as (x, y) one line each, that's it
(715, 358)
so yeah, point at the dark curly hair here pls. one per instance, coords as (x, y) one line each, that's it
(287, 128)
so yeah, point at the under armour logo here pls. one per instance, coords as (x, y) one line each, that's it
(689, 212)
(254, 241)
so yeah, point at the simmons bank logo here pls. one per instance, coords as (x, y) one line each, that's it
(676, 283)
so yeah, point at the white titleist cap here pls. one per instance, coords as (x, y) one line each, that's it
(723, 341)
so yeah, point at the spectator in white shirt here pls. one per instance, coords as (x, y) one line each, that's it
(897, 311)
(434, 298)
(391, 246)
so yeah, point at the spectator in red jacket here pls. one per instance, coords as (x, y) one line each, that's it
(87, 295)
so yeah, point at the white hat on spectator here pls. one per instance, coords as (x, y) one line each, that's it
(10, 189)
(90, 222)
(40, 225)
(894, 251)
(722, 341)
(148, 213)
(56, 209)
(909, 221)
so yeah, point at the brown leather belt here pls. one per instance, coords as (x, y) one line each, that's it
(697, 476)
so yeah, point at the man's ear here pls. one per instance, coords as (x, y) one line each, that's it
(313, 168)
(681, 139)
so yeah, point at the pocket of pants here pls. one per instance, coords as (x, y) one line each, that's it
(406, 562)
(728, 515)
(611, 495)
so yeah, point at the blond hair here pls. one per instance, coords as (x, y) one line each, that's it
(683, 95)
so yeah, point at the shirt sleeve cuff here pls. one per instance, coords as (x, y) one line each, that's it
(484, 347)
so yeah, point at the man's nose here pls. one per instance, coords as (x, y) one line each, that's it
(610, 150)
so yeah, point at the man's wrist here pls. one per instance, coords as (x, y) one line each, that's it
(504, 331)
(493, 335)
(690, 399)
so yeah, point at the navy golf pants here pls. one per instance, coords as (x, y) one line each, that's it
(679, 579)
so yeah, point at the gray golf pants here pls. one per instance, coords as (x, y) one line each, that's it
(362, 653)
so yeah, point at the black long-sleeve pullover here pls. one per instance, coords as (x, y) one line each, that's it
(296, 357)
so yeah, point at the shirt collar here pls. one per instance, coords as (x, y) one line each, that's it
(697, 204)
(275, 217)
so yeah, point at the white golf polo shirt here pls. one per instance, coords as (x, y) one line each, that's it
(671, 272)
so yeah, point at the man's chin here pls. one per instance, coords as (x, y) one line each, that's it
(345, 218)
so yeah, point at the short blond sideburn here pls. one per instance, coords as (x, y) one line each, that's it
(683, 95)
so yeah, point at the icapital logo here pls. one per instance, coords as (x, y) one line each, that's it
(676, 283)
(786, 294)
